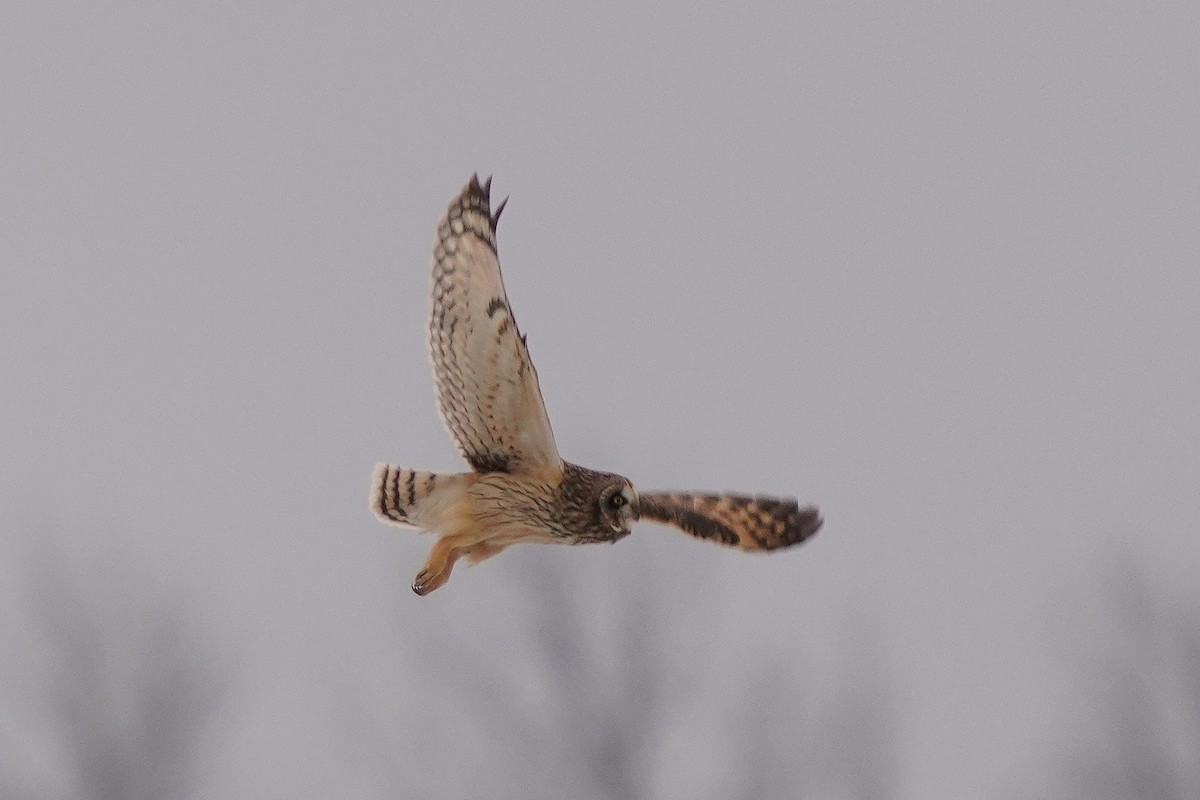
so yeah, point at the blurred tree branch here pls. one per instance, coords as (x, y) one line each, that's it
(617, 683)
(1146, 689)
(121, 671)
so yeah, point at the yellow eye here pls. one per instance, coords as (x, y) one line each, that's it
(617, 500)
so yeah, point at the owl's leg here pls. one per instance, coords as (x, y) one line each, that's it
(478, 552)
(437, 567)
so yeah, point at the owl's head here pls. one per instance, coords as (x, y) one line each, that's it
(618, 502)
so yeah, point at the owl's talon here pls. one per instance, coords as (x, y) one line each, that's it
(423, 584)
(427, 580)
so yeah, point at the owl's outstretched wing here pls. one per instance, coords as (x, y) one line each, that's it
(751, 523)
(487, 388)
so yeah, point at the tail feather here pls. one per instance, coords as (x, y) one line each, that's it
(412, 498)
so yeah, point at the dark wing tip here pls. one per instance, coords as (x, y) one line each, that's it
(786, 523)
(482, 189)
(805, 522)
(478, 196)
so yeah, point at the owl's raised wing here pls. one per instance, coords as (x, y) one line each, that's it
(487, 388)
(751, 523)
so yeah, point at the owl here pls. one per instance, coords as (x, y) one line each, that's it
(519, 489)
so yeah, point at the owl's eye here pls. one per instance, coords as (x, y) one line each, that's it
(617, 500)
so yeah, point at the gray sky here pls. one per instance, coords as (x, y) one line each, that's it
(930, 266)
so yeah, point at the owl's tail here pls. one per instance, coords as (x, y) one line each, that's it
(415, 499)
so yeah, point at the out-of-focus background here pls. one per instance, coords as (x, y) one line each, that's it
(933, 267)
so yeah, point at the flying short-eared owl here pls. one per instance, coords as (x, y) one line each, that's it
(519, 489)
